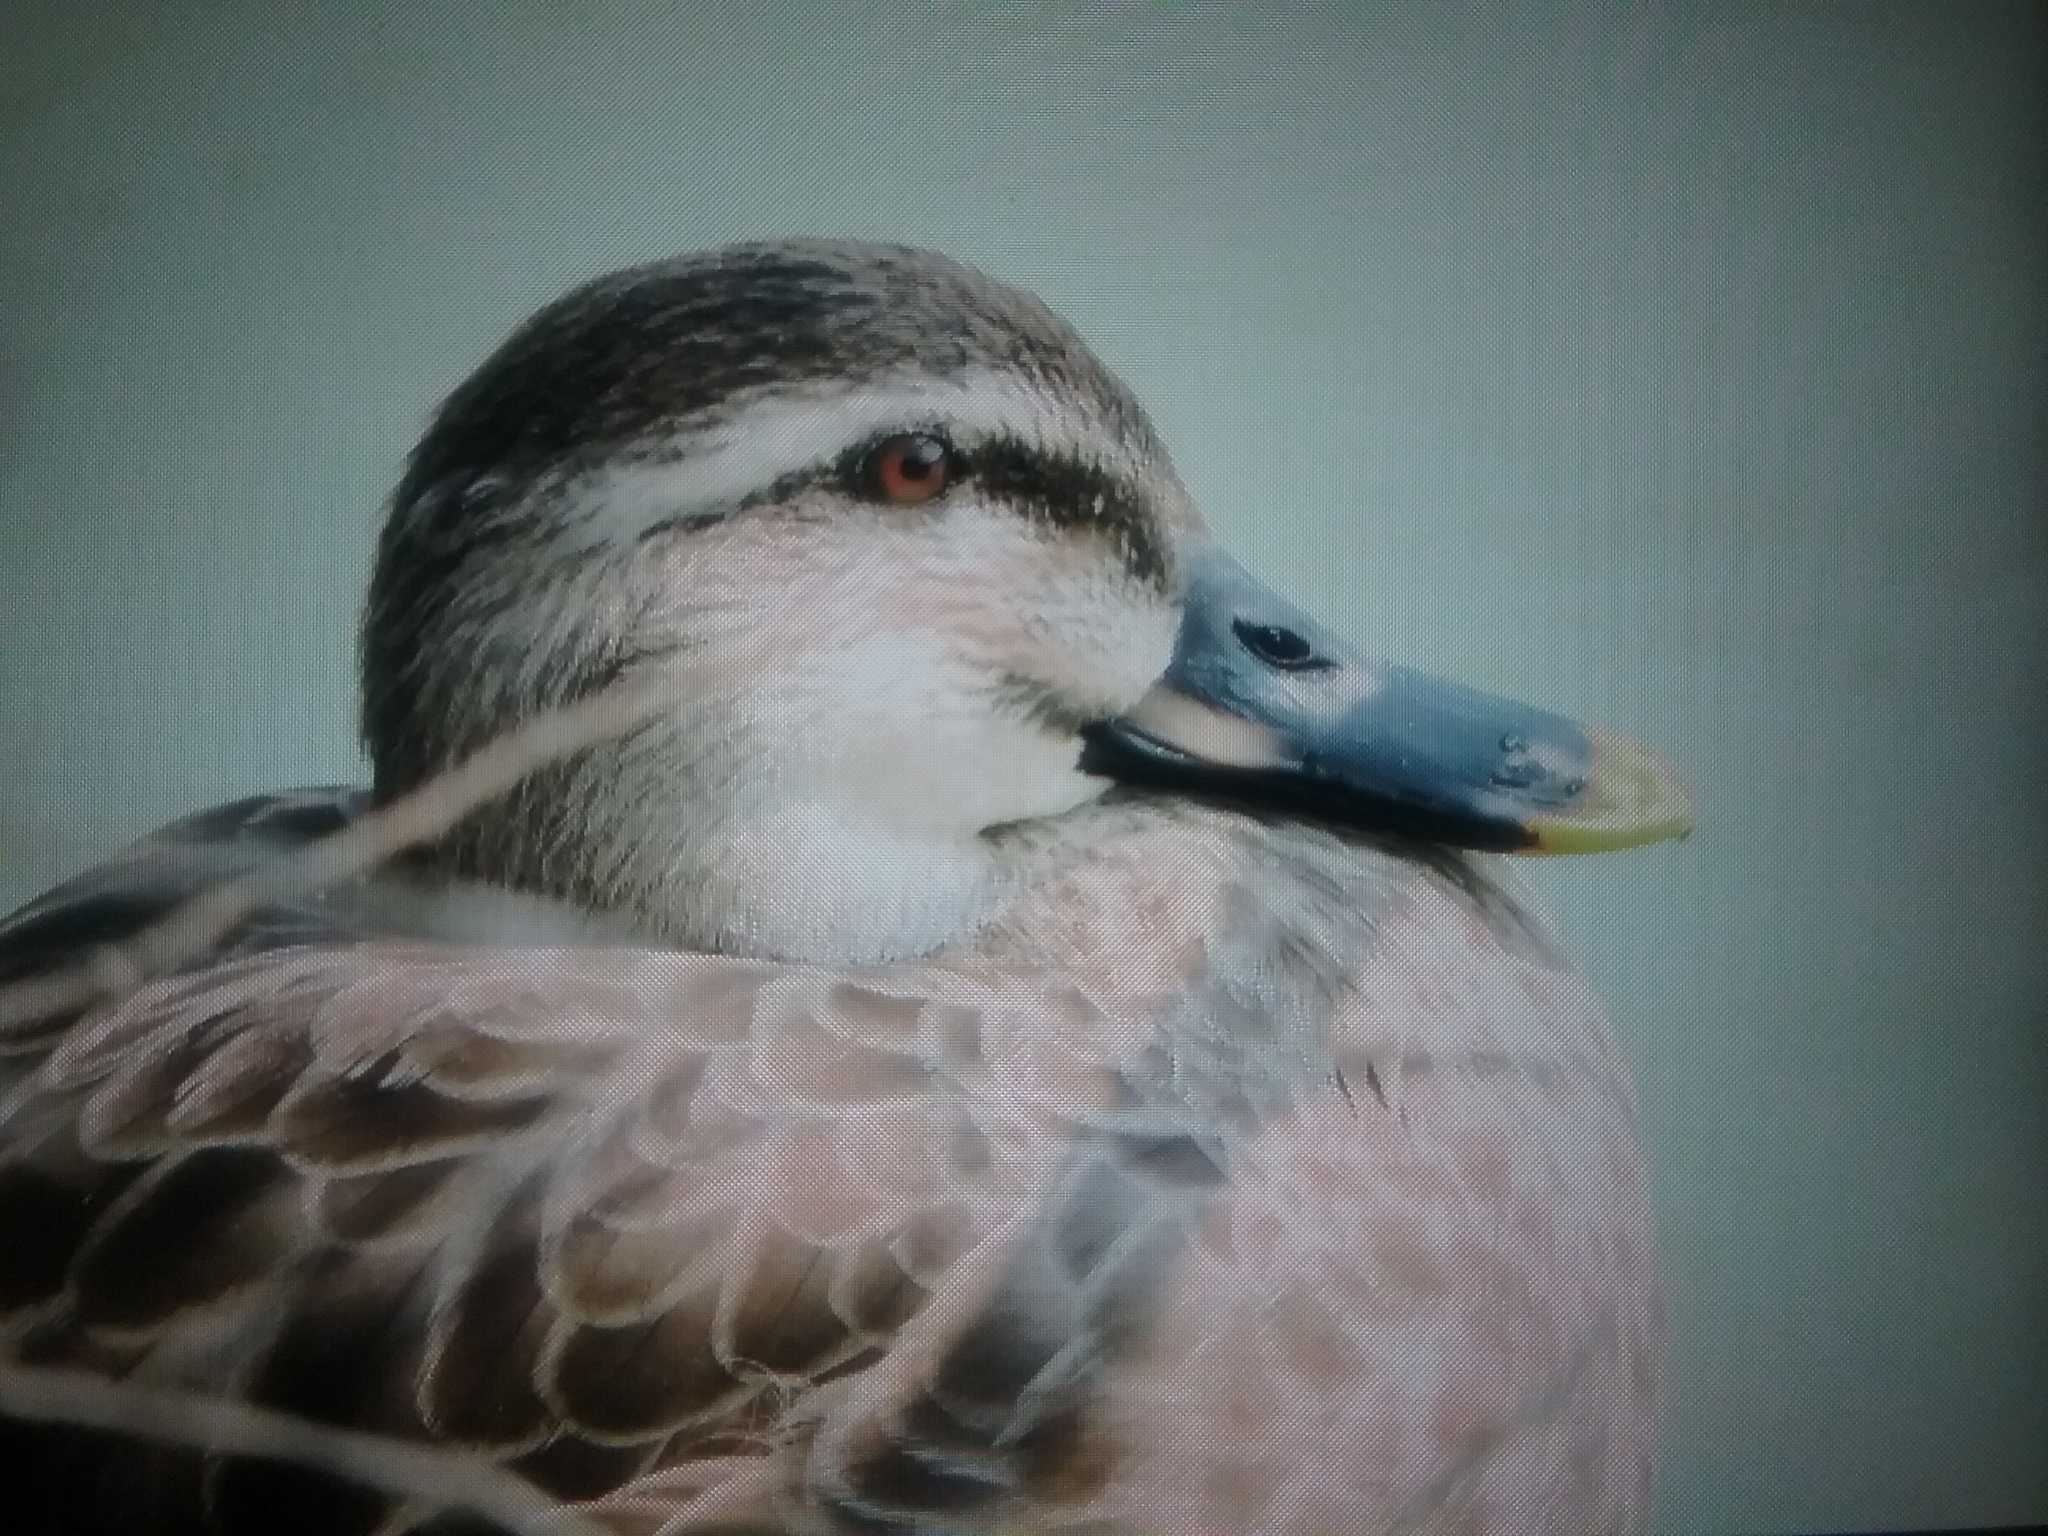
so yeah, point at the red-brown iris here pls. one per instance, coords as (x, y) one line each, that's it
(909, 468)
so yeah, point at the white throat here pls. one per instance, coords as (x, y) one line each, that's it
(816, 881)
(865, 845)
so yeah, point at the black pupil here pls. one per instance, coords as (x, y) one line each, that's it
(1275, 645)
(920, 457)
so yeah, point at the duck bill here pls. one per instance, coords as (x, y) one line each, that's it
(1260, 703)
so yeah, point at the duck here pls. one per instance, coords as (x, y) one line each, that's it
(882, 983)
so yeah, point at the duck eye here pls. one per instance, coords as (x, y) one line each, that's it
(907, 469)
(1278, 646)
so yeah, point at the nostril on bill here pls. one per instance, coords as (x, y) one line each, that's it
(1278, 646)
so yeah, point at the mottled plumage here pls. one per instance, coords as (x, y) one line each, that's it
(1172, 1164)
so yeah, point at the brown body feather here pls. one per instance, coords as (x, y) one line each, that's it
(1327, 1214)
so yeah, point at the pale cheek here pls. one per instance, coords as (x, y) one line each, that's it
(896, 728)
(1123, 646)
(1057, 610)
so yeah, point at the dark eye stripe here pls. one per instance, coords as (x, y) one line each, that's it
(1071, 494)
(785, 487)
(1061, 490)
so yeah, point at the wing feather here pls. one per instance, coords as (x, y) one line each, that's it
(570, 1208)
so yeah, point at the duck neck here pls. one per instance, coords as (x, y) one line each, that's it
(809, 880)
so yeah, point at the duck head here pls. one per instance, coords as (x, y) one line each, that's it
(913, 569)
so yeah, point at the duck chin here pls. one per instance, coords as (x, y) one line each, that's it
(814, 881)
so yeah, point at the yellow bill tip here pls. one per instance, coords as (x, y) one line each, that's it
(1633, 796)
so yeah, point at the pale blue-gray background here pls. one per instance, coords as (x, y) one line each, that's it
(1684, 371)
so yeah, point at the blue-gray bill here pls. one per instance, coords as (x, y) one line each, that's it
(1262, 703)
